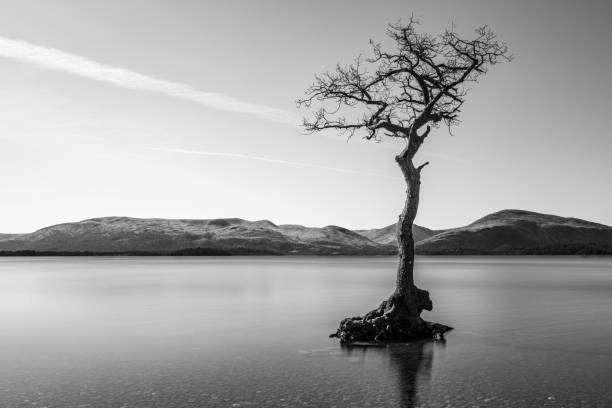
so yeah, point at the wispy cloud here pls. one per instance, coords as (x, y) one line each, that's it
(54, 59)
(266, 159)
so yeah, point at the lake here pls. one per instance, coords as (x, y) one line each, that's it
(253, 331)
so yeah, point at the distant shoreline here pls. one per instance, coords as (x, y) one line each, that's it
(506, 232)
(583, 251)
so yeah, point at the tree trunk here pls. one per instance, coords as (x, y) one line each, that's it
(405, 239)
(398, 318)
(407, 296)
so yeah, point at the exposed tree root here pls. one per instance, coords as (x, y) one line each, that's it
(395, 320)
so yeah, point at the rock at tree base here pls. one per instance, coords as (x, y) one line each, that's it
(360, 331)
(389, 324)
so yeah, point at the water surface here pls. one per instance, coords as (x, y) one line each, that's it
(252, 331)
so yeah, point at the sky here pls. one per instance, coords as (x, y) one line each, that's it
(187, 110)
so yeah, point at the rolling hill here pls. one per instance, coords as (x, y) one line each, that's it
(501, 233)
(521, 232)
(387, 235)
(228, 236)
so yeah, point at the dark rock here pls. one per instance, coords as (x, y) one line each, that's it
(391, 323)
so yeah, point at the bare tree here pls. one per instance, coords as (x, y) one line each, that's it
(402, 93)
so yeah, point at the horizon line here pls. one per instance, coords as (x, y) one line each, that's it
(303, 225)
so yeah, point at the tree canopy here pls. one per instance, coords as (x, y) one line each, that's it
(422, 81)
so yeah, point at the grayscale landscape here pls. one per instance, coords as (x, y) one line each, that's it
(324, 204)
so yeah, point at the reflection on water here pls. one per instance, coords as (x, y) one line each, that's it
(411, 363)
(252, 332)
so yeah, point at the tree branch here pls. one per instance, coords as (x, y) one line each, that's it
(422, 81)
(422, 166)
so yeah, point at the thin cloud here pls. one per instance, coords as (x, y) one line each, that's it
(266, 159)
(54, 59)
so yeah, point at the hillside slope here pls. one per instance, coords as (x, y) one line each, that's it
(216, 236)
(388, 234)
(500, 233)
(521, 232)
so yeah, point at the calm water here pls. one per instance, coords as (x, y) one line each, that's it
(252, 331)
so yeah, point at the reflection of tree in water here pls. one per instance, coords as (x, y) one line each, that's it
(411, 362)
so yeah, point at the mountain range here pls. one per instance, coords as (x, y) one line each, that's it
(504, 232)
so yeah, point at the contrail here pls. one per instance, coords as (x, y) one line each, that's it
(266, 159)
(54, 59)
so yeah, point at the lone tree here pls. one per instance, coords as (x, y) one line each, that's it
(402, 93)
